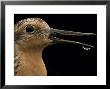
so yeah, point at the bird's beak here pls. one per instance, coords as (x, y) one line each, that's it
(55, 33)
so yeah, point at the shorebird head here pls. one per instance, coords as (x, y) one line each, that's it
(35, 32)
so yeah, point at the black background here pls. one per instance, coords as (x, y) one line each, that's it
(69, 59)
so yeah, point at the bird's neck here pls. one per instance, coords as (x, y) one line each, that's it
(32, 63)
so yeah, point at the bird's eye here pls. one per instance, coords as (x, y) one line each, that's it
(29, 29)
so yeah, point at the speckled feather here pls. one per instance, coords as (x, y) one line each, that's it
(23, 41)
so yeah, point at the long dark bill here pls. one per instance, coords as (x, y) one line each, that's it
(56, 32)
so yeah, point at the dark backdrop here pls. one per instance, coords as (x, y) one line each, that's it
(69, 59)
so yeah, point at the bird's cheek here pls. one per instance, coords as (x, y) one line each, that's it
(45, 43)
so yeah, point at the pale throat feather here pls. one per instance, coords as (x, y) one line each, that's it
(29, 62)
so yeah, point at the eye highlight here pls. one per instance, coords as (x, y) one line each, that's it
(29, 29)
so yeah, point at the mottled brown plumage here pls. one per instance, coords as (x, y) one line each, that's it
(29, 46)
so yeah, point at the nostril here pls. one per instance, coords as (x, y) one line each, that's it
(29, 29)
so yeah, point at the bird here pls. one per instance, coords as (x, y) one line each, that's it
(31, 36)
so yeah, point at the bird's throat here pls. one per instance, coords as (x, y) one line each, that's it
(31, 63)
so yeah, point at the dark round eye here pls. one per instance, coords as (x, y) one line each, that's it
(29, 29)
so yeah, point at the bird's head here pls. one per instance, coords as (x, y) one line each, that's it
(35, 32)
